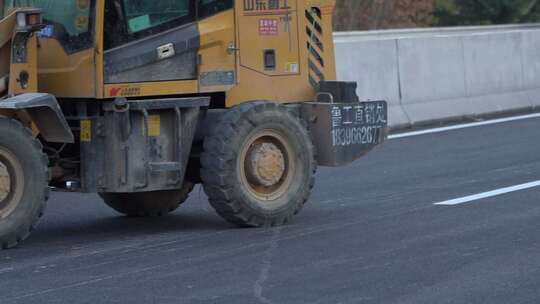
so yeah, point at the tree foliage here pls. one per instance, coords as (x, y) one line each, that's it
(384, 14)
(483, 12)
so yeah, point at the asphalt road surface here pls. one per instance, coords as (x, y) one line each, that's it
(371, 233)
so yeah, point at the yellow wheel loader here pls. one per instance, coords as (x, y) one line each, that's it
(138, 100)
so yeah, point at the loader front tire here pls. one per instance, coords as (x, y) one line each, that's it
(23, 182)
(258, 165)
(148, 204)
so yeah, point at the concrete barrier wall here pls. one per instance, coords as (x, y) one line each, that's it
(435, 74)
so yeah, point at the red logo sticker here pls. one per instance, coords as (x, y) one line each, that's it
(114, 92)
(127, 91)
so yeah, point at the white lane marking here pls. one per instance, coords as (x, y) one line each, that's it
(493, 193)
(464, 126)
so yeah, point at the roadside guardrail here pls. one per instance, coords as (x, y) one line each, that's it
(427, 75)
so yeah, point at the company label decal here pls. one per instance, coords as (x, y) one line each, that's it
(124, 91)
(262, 7)
(86, 130)
(154, 125)
(268, 27)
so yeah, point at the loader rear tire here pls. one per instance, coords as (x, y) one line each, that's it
(24, 182)
(258, 165)
(147, 204)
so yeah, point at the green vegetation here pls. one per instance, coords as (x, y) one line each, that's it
(384, 14)
(484, 12)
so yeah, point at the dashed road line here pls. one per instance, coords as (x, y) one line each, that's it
(484, 195)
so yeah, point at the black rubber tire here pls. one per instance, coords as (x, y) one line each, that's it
(31, 164)
(147, 204)
(221, 176)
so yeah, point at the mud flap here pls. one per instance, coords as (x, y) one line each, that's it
(343, 128)
(45, 112)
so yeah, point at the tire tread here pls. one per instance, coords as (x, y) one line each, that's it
(218, 153)
(13, 239)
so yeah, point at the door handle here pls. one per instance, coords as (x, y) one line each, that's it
(232, 49)
(165, 51)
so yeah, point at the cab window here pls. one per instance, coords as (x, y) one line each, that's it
(70, 22)
(208, 8)
(142, 15)
(130, 20)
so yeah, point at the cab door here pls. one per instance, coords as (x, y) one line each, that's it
(168, 47)
(268, 36)
(151, 47)
(217, 55)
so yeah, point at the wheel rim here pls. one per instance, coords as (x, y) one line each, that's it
(266, 166)
(11, 182)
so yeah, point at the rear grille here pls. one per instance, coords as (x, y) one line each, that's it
(315, 46)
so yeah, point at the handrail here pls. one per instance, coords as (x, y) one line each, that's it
(430, 32)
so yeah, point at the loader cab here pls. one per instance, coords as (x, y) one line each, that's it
(128, 48)
(167, 47)
(146, 40)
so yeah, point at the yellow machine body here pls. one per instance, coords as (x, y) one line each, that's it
(139, 100)
(297, 33)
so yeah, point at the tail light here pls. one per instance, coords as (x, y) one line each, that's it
(34, 19)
